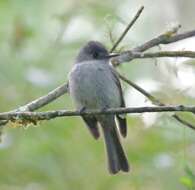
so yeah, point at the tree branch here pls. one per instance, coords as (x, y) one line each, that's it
(42, 101)
(169, 36)
(127, 28)
(154, 100)
(141, 55)
(134, 55)
(36, 116)
(166, 38)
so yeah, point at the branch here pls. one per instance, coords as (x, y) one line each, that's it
(42, 101)
(59, 91)
(146, 46)
(184, 122)
(127, 28)
(166, 38)
(154, 100)
(36, 116)
(141, 55)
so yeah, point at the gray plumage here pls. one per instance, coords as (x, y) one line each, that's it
(93, 84)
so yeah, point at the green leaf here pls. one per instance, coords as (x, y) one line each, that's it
(189, 172)
(186, 181)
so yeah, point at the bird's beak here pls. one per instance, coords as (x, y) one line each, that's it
(112, 55)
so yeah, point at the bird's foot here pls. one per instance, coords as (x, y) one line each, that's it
(104, 108)
(81, 110)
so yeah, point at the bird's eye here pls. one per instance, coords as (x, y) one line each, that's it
(95, 55)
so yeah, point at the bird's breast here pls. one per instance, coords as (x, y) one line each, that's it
(92, 86)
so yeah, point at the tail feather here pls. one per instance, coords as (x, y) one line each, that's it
(116, 157)
(112, 156)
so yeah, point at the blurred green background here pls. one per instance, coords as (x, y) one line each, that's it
(38, 43)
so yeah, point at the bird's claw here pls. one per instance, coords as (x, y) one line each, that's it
(104, 108)
(82, 110)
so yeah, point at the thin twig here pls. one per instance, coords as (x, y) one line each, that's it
(133, 54)
(154, 100)
(36, 116)
(184, 122)
(127, 28)
(169, 36)
(166, 38)
(42, 101)
(141, 55)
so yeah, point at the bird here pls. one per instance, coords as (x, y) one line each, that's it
(94, 84)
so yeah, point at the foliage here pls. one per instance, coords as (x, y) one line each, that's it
(38, 43)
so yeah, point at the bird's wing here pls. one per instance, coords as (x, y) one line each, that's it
(120, 118)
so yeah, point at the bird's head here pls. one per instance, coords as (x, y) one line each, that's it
(93, 50)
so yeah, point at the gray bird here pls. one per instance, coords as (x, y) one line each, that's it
(93, 84)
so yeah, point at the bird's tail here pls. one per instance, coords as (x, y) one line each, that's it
(116, 157)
